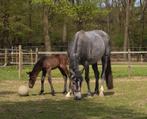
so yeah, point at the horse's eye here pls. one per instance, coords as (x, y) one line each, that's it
(74, 82)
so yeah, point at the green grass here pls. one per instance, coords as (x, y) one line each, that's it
(11, 72)
(128, 100)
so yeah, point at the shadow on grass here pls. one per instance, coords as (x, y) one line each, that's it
(3, 93)
(47, 93)
(66, 109)
(108, 93)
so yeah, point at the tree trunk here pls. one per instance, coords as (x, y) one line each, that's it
(143, 7)
(6, 31)
(64, 36)
(126, 32)
(47, 42)
(108, 24)
(30, 20)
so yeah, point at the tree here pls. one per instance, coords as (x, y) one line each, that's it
(143, 5)
(126, 32)
(45, 29)
(13, 26)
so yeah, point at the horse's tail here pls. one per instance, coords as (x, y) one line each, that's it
(108, 74)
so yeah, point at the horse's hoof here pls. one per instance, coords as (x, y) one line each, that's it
(41, 93)
(101, 94)
(64, 92)
(96, 93)
(53, 93)
(89, 94)
(68, 95)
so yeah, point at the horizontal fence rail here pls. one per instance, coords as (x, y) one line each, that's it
(20, 57)
(9, 56)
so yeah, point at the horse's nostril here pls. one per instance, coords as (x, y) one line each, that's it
(77, 98)
(77, 95)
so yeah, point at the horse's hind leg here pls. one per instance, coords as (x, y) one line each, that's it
(63, 71)
(104, 67)
(42, 82)
(51, 85)
(96, 73)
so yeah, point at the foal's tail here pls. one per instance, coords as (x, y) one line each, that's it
(108, 74)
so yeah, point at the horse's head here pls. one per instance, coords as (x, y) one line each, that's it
(32, 79)
(76, 83)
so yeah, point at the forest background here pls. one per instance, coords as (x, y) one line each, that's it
(51, 24)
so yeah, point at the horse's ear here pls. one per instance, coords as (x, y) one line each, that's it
(72, 72)
(81, 72)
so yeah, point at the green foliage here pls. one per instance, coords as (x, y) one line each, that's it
(118, 39)
(65, 8)
(47, 2)
(88, 11)
(16, 20)
(20, 30)
(85, 14)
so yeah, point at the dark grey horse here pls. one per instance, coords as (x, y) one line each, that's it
(86, 49)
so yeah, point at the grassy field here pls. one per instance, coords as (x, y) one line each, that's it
(11, 72)
(128, 100)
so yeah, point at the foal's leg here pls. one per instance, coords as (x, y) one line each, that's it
(96, 73)
(42, 81)
(87, 79)
(104, 67)
(62, 70)
(50, 82)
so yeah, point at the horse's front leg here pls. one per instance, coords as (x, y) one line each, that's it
(96, 73)
(87, 79)
(42, 82)
(69, 89)
(51, 85)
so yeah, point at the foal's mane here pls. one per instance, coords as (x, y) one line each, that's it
(38, 66)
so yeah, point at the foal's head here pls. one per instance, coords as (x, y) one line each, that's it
(32, 79)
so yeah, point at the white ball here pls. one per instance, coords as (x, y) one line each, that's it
(23, 90)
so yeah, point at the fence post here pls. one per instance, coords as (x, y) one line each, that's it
(6, 57)
(31, 53)
(129, 64)
(12, 57)
(141, 58)
(16, 56)
(20, 62)
(36, 57)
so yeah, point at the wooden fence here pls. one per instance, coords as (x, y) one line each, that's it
(20, 57)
